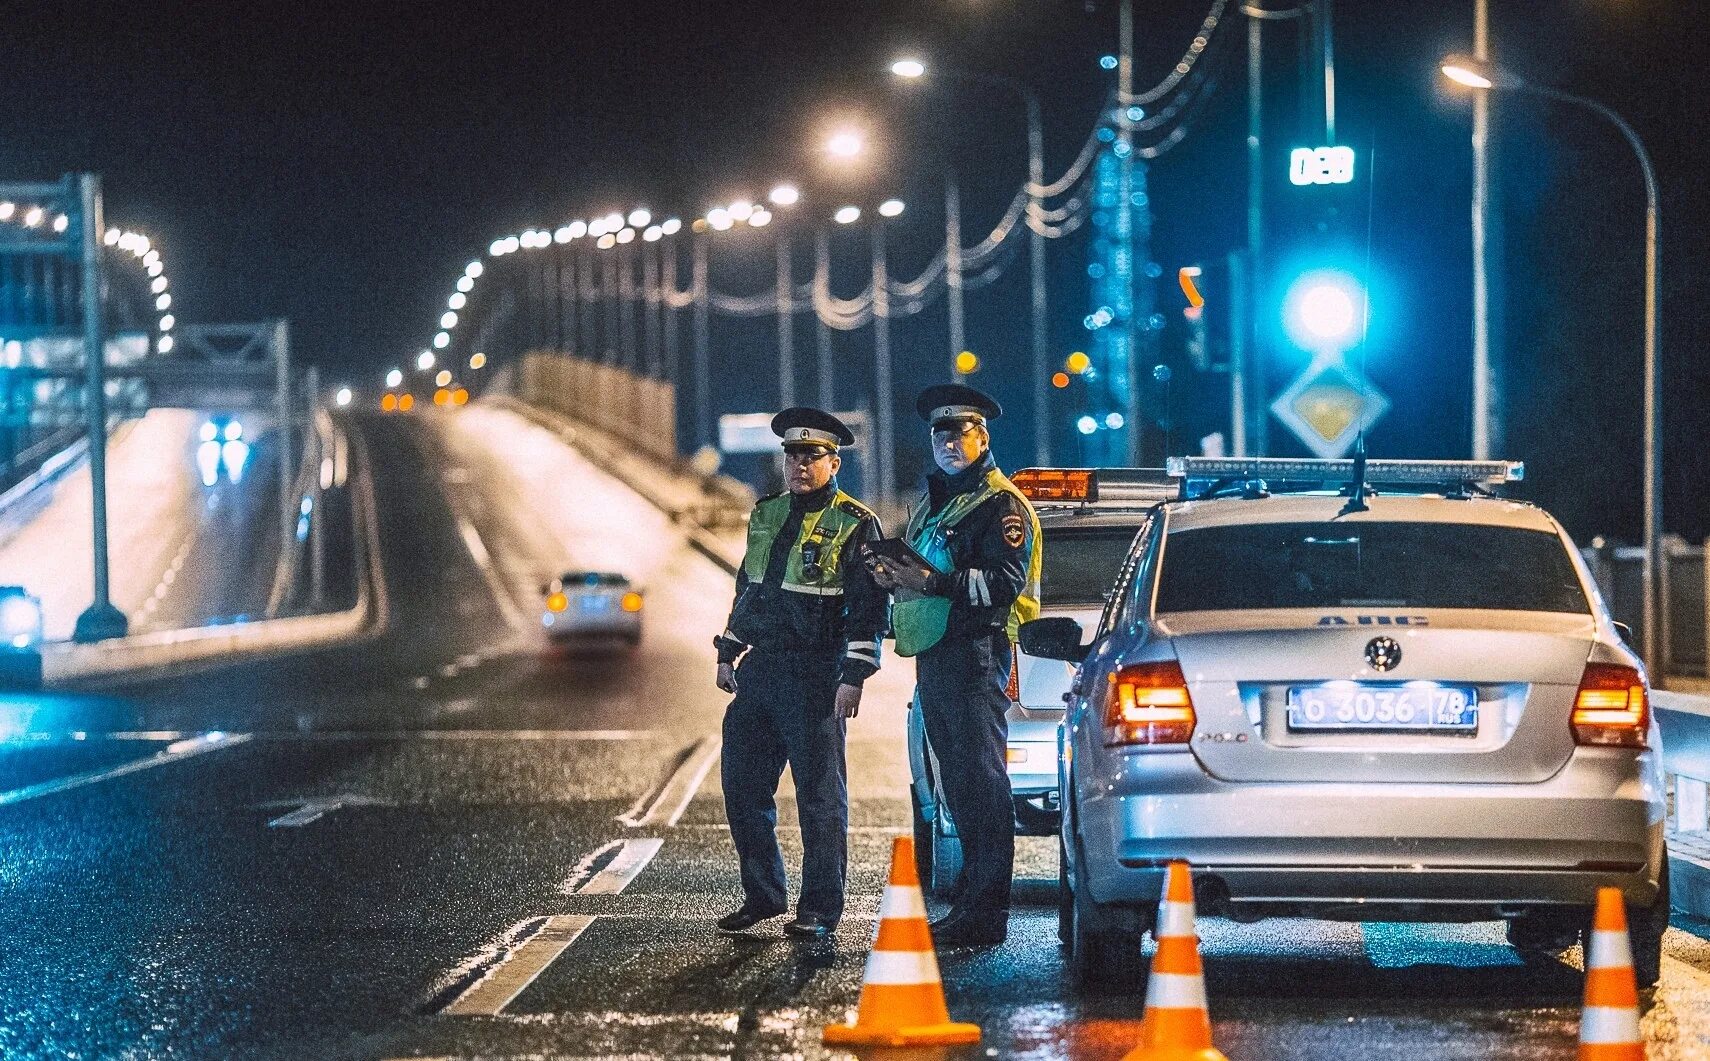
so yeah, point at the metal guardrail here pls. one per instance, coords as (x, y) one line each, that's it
(1618, 571)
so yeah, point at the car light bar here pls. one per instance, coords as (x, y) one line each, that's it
(1287, 469)
(1094, 485)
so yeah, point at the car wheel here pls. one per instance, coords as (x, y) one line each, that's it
(922, 840)
(1102, 951)
(1543, 933)
(1645, 926)
(946, 859)
(1065, 898)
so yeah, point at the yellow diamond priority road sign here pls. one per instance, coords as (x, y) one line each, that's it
(1328, 405)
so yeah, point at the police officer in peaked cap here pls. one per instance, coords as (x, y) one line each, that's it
(959, 618)
(803, 636)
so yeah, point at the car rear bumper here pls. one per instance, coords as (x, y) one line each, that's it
(1371, 852)
(619, 624)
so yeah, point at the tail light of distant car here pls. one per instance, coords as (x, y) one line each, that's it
(1612, 706)
(631, 602)
(557, 602)
(1148, 703)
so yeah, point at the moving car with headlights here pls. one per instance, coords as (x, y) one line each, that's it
(20, 639)
(592, 606)
(1367, 691)
(1088, 518)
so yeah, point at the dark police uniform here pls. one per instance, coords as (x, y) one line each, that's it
(982, 537)
(807, 618)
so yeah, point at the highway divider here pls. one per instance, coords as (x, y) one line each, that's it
(172, 653)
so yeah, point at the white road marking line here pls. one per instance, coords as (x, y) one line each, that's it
(632, 857)
(484, 561)
(152, 735)
(679, 789)
(309, 812)
(184, 749)
(501, 984)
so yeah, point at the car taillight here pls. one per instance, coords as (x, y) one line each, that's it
(1013, 689)
(1612, 706)
(557, 602)
(1148, 703)
(631, 602)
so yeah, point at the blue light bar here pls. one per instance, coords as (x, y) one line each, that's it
(1288, 469)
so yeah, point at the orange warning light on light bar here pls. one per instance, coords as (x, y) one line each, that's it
(1186, 276)
(1054, 484)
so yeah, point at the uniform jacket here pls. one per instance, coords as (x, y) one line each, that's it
(768, 616)
(990, 549)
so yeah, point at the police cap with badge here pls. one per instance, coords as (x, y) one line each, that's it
(946, 403)
(804, 428)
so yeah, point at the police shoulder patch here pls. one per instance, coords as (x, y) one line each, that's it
(1014, 530)
(855, 508)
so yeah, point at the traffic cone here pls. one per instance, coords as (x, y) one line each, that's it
(902, 999)
(1609, 1024)
(1177, 1025)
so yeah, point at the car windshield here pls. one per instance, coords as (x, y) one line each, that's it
(1080, 565)
(1326, 565)
(592, 580)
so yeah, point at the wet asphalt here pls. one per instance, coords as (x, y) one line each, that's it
(379, 826)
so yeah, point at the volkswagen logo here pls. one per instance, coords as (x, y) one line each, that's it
(1383, 653)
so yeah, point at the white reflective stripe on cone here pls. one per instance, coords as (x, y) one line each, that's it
(901, 967)
(1609, 1024)
(902, 903)
(1609, 950)
(1174, 919)
(1175, 991)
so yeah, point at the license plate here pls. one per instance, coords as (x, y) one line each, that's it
(1424, 706)
(592, 604)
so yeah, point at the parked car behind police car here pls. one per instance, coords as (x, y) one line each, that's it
(1405, 706)
(592, 606)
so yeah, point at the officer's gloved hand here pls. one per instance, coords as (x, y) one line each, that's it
(727, 677)
(848, 700)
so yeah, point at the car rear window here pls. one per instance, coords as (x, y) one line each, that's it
(592, 579)
(1079, 566)
(1325, 565)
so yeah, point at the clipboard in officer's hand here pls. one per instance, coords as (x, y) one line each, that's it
(896, 552)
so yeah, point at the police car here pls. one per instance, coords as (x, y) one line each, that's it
(588, 606)
(1358, 691)
(1088, 518)
(20, 639)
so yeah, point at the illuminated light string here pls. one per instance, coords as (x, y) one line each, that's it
(1180, 96)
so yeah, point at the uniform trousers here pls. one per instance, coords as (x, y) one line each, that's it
(785, 711)
(962, 681)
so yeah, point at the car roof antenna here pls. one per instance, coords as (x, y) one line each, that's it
(1355, 491)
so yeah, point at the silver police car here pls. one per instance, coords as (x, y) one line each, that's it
(1088, 518)
(1357, 691)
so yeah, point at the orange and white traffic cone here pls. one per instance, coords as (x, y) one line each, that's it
(902, 999)
(1609, 1024)
(1177, 1025)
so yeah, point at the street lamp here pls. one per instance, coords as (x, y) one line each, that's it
(845, 143)
(1484, 77)
(911, 68)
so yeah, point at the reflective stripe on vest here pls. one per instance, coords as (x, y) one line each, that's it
(919, 621)
(826, 532)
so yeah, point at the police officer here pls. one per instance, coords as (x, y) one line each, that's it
(807, 626)
(959, 617)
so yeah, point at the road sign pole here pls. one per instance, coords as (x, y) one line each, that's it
(101, 620)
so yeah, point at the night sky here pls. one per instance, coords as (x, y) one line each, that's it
(337, 165)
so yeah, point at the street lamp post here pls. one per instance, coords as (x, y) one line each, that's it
(913, 68)
(1486, 78)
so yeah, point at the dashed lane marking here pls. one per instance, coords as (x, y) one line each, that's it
(624, 861)
(313, 808)
(518, 967)
(153, 735)
(175, 752)
(673, 799)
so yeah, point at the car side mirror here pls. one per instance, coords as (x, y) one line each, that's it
(1057, 637)
(1625, 631)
